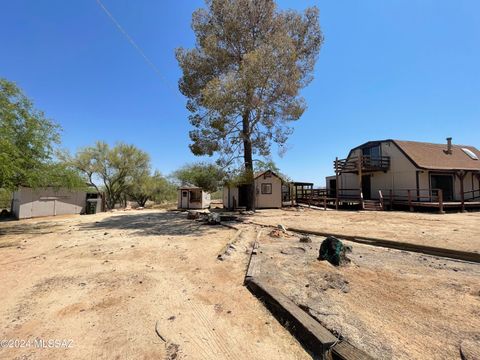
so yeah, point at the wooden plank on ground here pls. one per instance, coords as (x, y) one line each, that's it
(316, 338)
(346, 351)
(253, 267)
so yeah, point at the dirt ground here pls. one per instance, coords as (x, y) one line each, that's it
(391, 304)
(107, 281)
(452, 231)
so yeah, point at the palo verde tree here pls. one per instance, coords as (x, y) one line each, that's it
(204, 175)
(243, 77)
(27, 144)
(116, 167)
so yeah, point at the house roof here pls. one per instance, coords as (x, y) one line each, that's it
(434, 156)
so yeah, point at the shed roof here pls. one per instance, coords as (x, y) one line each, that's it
(258, 174)
(189, 187)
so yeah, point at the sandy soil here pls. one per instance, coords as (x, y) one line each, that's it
(105, 281)
(391, 304)
(452, 231)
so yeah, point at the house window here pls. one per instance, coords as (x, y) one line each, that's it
(267, 188)
(184, 193)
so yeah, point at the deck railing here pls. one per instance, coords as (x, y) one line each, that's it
(412, 197)
(388, 198)
(471, 195)
(368, 163)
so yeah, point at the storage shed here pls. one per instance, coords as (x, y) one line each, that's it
(270, 192)
(51, 201)
(193, 197)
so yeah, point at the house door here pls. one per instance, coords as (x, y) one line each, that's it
(366, 187)
(332, 186)
(444, 183)
(184, 204)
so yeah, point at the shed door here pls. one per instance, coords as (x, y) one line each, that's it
(184, 199)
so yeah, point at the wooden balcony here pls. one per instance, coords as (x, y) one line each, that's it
(368, 164)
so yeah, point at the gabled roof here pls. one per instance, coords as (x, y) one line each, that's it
(257, 175)
(433, 156)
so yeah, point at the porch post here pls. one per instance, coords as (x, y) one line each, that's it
(337, 186)
(461, 176)
(359, 168)
(440, 202)
(410, 199)
(478, 178)
(290, 188)
(360, 160)
(391, 199)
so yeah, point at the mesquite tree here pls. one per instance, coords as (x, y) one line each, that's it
(243, 77)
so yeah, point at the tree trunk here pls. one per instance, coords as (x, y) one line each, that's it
(248, 160)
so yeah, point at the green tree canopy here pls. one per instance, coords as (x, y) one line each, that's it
(151, 187)
(27, 144)
(116, 167)
(243, 77)
(204, 175)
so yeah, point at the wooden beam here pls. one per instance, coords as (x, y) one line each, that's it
(346, 351)
(399, 245)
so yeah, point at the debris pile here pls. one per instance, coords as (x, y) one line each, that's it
(213, 219)
(334, 251)
(228, 251)
(305, 239)
(275, 233)
(193, 215)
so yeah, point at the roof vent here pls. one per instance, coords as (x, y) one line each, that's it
(449, 146)
(470, 153)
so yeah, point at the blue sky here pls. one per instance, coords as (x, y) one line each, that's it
(388, 69)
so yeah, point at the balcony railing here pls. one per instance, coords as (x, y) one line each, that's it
(368, 163)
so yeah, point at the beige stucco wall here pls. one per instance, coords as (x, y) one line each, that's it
(30, 203)
(400, 176)
(273, 200)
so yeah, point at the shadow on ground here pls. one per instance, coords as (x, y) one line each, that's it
(147, 224)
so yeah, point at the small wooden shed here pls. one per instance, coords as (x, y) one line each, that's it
(270, 192)
(193, 197)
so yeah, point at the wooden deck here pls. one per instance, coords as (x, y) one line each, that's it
(408, 199)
